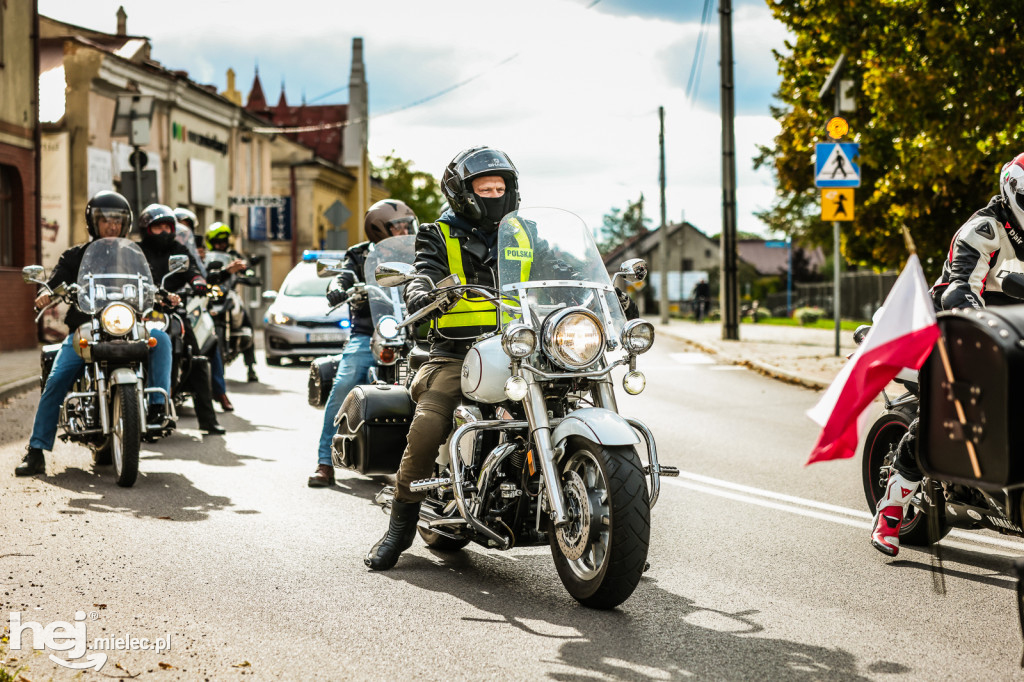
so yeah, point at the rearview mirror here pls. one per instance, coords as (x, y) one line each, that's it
(634, 269)
(394, 274)
(270, 295)
(32, 274)
(177, 263)
(325, 267)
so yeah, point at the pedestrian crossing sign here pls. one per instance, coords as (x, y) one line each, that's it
(837, 205)
(834, 165)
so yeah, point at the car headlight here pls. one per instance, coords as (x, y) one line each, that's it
(573, 338)
(638, 336)
(117, 319)
(518, 340)
(278, 318)
(387, 327)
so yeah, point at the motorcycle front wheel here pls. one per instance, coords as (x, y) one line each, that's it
(125, 434)
(876, 463)
(601, 553)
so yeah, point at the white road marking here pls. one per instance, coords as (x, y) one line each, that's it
(823, 511)
(692, 358)
(726, 368)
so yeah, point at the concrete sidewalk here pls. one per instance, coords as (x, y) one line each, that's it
(19, 371)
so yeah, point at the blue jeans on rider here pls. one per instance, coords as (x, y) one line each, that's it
(217, 372)
(68, 365)
(354, 369)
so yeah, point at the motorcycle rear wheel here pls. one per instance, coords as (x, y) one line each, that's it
(879, 451)
(601, 553)
(125, 434)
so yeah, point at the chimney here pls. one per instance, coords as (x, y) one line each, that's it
(122, 21)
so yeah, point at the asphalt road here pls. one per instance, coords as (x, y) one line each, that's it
(760, 567)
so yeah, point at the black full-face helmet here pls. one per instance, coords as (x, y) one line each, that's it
(157, 214)
(388, 218)
(109, 205)
(457, 185)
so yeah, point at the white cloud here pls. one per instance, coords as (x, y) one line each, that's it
(576, 109)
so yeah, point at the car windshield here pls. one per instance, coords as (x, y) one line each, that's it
(304, 282)
(114, 270)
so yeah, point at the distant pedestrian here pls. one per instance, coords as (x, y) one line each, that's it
(701, 299)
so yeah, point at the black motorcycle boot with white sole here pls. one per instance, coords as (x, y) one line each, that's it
(401, 533)
(32, 463)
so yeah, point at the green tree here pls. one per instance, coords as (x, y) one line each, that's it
(939, 88)
(420, 190)
(621, 225)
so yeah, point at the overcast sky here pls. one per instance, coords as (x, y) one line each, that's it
(570, 89)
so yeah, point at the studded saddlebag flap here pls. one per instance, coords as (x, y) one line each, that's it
(986, 353)
(374, 428)
(321, 378)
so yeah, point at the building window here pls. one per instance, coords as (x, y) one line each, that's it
(7, 199)
(707, 253)
(687, 264)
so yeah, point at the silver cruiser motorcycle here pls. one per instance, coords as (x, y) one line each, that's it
(107, 406)
(540, 453)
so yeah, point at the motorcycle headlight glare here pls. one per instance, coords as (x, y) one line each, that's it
(117, 319)
(387, 327)
(519, 340)
(155, 320)
(634, 382)
(516, 388)
(638, 336)
(573, 338)
(279, 318)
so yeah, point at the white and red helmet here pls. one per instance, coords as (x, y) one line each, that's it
(1011, 185)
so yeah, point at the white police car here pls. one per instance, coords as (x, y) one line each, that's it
(298, 323)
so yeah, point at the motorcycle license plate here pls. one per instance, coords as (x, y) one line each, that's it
(325, 337)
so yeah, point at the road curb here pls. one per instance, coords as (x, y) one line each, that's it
(18, 387)
(761, 367)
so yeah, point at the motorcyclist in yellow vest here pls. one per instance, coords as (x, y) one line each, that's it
(481, 186)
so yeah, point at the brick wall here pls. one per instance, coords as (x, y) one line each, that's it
(17, 321)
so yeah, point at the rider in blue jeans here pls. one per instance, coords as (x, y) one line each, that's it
(107, 214)
(387, 218)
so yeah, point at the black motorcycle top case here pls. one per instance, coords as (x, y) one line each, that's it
(986, 354)
(374, 428)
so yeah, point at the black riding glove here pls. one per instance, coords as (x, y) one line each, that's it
(628, 305)
(336, 297)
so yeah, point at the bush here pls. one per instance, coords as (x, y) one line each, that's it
(808, 315)
(762, 314)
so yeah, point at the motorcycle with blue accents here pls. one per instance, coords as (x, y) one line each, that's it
(540, 453)
(107, 406)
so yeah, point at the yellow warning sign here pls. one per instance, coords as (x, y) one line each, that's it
(837, 204)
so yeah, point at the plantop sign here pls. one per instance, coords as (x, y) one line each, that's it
(834, 166)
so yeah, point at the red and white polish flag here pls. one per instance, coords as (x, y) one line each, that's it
(902, 336)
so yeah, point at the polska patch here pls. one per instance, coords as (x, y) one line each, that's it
(512, 253)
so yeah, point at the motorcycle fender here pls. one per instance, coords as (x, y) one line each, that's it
(596, 424)
(123, 375)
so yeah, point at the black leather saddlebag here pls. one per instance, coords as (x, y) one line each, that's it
(986, 354)
(321, 377)
(46, 358)
(374, 428)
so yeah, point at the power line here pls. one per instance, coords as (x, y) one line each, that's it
(693, 83)
(328, 94)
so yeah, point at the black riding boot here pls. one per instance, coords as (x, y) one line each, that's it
(33, 463)
(401, 532)
(202, 396)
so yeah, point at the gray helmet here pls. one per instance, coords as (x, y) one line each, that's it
(476, 162)
(386, 218)
(186, 218)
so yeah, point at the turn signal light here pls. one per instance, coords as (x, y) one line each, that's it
(151, 342)
(83, 343)
(387, 355)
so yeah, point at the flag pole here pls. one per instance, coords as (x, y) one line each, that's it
(944, 355)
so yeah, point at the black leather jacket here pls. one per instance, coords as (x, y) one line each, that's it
(359, 312)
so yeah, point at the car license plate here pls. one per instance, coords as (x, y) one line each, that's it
(327, 337)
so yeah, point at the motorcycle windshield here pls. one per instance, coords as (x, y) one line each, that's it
(387, 301)
(114, 270)
(184, 236)
(547, 261)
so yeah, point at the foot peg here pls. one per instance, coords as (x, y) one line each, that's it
(663, 470)
(428, 484)
(384, 498)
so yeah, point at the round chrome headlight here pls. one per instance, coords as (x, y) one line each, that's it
(387, 327)
(573, 338)
(638, 336)
(117, 319)
(518, 340)
(155, 320)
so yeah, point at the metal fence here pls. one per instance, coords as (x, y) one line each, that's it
(860, 294)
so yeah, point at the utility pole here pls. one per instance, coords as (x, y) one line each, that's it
(833, 82)
(663, 239)
(729, 284)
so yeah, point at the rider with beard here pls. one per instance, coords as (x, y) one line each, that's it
(218, 238)
(157, 224)
(987, 246)
(107, 214)
(481, 186)
(387, 218)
